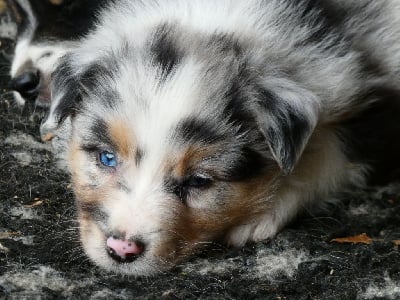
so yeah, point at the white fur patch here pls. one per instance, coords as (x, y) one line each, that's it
(24, 213)
(8, 29)
(388, 290)
(24, 140)
(269, 264)
(24, 158)
(34, 282)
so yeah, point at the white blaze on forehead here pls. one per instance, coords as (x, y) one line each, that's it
(156, 106)
(152, 109)
(134, 20)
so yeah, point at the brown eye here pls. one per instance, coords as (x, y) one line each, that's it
(193, 182)
(197, 181)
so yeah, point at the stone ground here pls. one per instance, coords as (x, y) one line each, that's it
(41, 258)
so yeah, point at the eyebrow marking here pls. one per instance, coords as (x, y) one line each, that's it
(193, 130)
(122, 137)
(99, 133)
(165, 51)
(138, 156)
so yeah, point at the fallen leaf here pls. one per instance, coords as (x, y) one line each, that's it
(396, 242)
(357, 239)
(34, 204)
(3, 6)
(56, 2)
(6, 235)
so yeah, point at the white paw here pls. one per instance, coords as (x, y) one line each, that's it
(258, 230)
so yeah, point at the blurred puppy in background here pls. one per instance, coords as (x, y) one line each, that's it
(47, 29)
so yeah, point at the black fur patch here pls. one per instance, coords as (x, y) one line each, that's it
(197, 131)
(138, 156)
(68, 21)
(289, 130)
(165, 51)
(74, 88)
(99, 134)
(250, 165)
(90, 78)
(64, 80)
(325, 19)
(291, 127)
(174, 186)
(95, 80)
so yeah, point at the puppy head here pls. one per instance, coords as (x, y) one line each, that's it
(47, 29)
(174, 141)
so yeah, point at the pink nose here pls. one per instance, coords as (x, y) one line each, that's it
(123, 250)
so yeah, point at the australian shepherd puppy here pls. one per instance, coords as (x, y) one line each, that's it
(47, 29)
(191, 121)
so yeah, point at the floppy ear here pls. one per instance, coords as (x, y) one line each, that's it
(65, 98)
(286, 115)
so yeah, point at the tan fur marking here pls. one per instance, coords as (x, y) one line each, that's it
(122, 135)
(81, 182)
(190, 158)
(76, 161)
(196, 228)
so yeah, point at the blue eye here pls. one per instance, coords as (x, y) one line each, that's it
(108, 159)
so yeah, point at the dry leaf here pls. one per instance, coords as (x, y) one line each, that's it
(34, 204)
(3, 6)
(6, 235)
(56, 2)
(357, 239)
(396, 242)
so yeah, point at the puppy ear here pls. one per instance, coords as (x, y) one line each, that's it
(65, 98)
(286, 115)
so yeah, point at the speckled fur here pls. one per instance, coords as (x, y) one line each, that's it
(253, 95)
